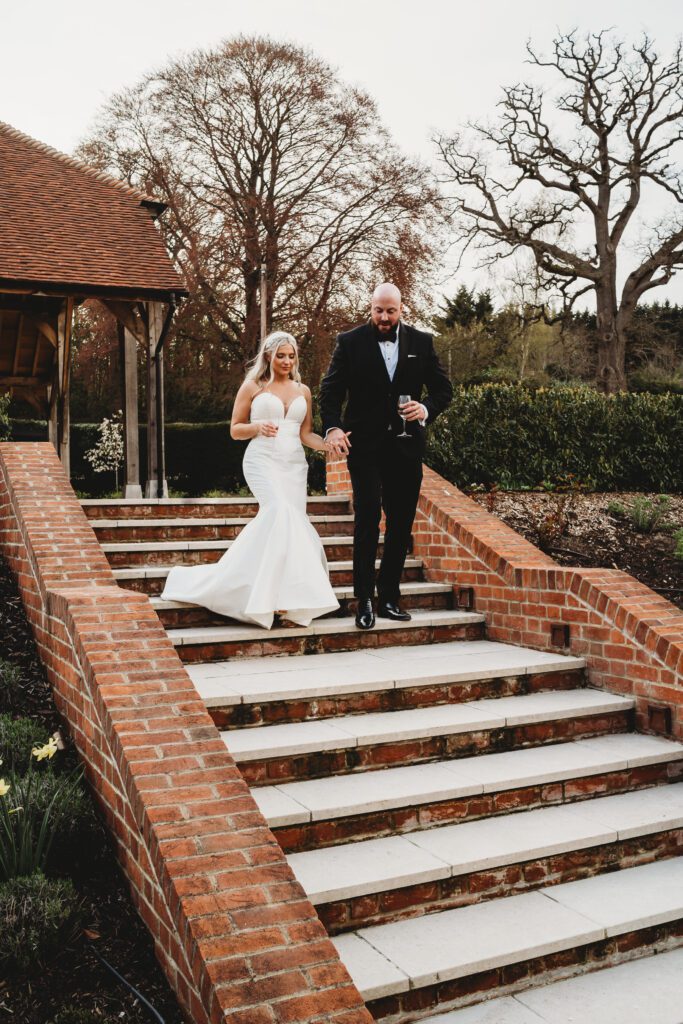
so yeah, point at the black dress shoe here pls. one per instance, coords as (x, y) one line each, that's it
(365, 617)
(389, 610)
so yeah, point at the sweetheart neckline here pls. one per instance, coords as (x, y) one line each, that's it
(272, 393)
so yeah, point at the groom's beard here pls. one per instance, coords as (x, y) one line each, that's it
(389, 335)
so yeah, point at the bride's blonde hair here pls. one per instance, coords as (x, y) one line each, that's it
(260, 369)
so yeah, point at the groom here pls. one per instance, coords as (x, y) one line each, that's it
(371, 367)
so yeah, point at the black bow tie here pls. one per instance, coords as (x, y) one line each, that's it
(393, 338)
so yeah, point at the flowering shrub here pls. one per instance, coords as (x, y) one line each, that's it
(107, 454)
(27, 827)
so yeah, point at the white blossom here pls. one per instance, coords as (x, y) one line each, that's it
(107, 454)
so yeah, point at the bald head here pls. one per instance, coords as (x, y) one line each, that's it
(386, 292)
(385, 311)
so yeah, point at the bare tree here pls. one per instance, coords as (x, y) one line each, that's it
(614, 136)
(265, 157)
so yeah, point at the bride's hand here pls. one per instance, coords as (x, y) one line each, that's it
(265, 429)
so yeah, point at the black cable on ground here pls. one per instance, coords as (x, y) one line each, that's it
(119, 977)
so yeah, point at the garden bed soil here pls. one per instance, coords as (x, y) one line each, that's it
(76, 988)
(579, 529)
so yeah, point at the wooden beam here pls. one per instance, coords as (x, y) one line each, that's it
(17, 347)
(125, 314)
(66, 359)
(22, 382)
(155, 404)
(36, 353)
(128, 365)
(59, 421)
(45, 328)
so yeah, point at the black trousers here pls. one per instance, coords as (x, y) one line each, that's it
(387, 479)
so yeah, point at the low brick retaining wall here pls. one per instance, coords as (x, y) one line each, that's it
(232, 928)
(631, 638)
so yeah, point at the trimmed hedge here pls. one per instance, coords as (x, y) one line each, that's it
(509, 434)
(516, 436)
(200, 457)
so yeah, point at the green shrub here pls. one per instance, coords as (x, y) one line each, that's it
(11, 678)
(17, 738)
(519, 437)
(81, 1015)
(38, 916)
(200, 457)
(678, 538)
(646, 514)
(78, 842)
(5, 429)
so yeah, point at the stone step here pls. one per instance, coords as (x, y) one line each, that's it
(129, 530)
(215, 643)
(175, 614)
(269, 690)
(645, 991)
(198, 552)
(156, 508)
(441, 959)
(357, 743)
(324, 812)
(151, 580)
(455, 865)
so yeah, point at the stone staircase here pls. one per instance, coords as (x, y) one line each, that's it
(470, 819)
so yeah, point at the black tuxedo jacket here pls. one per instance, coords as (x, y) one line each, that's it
(358, 374)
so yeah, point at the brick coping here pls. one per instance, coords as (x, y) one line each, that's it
(232, 927)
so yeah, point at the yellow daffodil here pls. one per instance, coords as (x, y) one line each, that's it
(49, 749)
(4, 787)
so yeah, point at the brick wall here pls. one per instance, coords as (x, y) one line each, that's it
(631, 638)
(232, 928)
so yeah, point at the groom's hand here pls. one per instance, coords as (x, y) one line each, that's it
(413, 411)
(338, 441)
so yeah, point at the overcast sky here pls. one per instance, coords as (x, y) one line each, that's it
(430, 64)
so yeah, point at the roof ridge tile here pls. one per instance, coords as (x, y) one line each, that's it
(79, 165)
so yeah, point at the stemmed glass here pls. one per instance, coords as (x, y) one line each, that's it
(402, 399)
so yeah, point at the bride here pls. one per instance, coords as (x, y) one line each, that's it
(277, 562)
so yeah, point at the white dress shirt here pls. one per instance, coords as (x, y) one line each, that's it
(389, 350)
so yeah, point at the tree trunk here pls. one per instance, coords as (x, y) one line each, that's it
(611, 368)
(252, 318)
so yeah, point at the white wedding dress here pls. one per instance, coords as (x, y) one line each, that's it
(277, 562)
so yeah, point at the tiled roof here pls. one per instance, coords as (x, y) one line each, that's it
(64, 223)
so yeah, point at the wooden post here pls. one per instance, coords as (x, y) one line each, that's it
(128, 364)
(155, 404)
(59, 419)
(264, 302)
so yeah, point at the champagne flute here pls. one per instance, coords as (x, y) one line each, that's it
(402, 399)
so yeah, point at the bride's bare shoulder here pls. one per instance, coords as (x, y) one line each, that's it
(249, 389)
(305, 390)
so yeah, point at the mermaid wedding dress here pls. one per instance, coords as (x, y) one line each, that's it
(277, 562)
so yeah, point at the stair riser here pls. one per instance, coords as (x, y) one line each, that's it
(341, 552)
(448, 995)
(322, 764)
(494, 883)
(278, 646)
(311, 835)
(177, 618)
(183, 531)
(211, 510)
(399, 699)
(338, 577)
